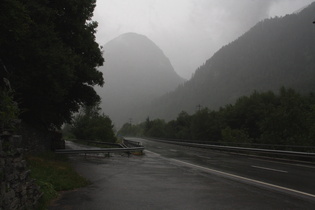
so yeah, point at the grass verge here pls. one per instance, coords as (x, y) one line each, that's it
(53, 173)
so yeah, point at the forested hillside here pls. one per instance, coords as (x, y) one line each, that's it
(283, 118)
(274, 53)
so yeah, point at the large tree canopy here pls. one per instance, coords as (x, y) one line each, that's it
(49, 54)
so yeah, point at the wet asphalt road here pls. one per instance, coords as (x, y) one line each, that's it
(167, 177)
(299, 177)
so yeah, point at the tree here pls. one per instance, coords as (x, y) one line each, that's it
(50, 54)
(234, 136)
(90, 124)
(206, 125)
(147, 125)
(183, 124)
(157, 129)
(287, 123)
(129, 129)
(200, 125)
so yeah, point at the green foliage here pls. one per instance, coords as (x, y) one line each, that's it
(90, 124)
(266, 118)
(182, 126)
(53, 174)
(49, 193)
(234, 136)
(131, 130)
(156, 128)
(67, 133)
(51, 57)
(287, 122)
(9, 110)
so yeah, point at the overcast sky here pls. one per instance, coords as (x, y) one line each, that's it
(188, 31)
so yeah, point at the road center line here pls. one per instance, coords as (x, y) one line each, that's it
(153, 153)
(270, 169)
(284, 163)
(203, 157)
(260, 183)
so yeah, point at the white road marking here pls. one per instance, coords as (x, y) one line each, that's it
(245, 179)
(284, 163)
(270, 169)
(203, 157)
(238, 177)
(153, 153)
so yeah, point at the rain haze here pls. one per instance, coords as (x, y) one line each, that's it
(188, 31)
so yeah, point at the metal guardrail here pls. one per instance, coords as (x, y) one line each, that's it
(108, 150)
(243, 149)
(96, 142)
(128, 150)
(297, 148)
(130, 143)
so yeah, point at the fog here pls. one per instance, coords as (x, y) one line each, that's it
(188, 31)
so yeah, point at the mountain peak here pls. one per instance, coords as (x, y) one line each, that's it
(136, 71)
(130, 38)
(130, 35)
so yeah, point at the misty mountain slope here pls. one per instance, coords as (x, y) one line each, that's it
(275, 52)
(135, 71)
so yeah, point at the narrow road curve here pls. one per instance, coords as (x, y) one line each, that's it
(163, 180)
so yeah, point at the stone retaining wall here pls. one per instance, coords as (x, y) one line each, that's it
(17, 189)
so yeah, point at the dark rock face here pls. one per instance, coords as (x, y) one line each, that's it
(18, 190)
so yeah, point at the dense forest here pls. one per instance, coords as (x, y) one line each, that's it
(286, 118)
(275, 52)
